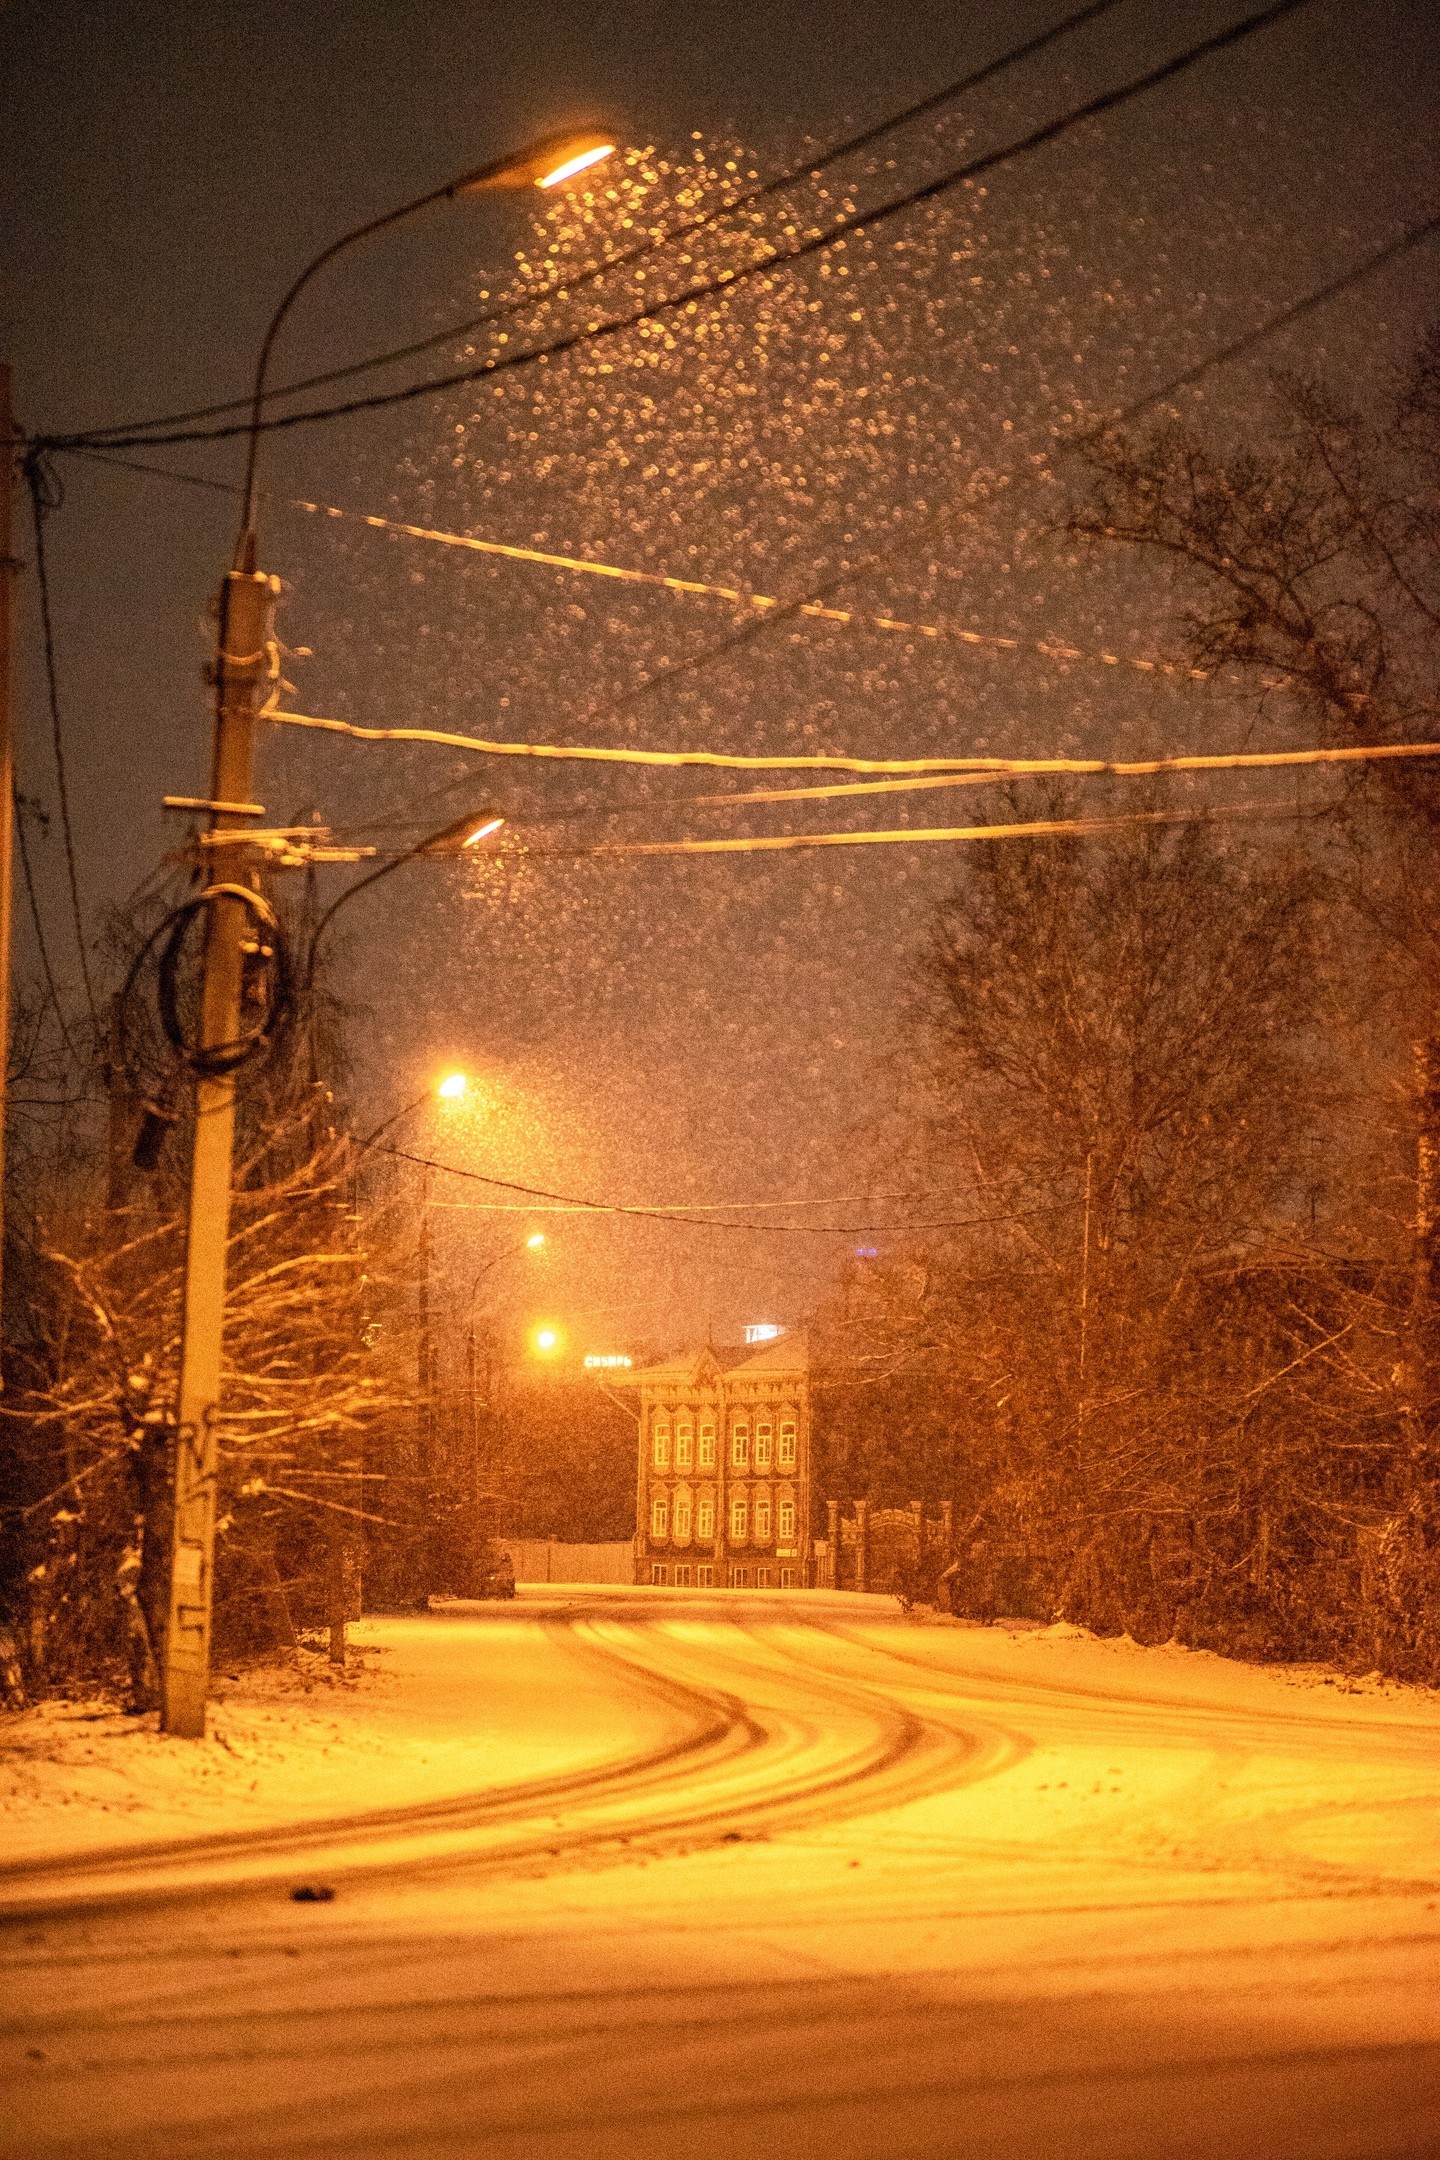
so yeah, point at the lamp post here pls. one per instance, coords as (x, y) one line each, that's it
(243, 645)
(533, 1243)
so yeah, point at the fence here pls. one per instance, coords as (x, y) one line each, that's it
(546, 1560)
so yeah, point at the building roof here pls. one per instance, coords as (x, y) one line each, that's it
(788, 1353)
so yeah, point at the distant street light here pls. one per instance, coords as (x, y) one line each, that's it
(243, 646)
(533, 1243)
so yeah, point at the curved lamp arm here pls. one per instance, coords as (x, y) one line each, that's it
(451, 840)
(544, 163)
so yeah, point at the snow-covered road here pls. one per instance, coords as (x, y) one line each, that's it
(755, 1875)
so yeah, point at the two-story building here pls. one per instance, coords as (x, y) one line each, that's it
(723, 1485)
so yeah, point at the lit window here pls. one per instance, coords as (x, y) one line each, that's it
(682, 1578)
(707, 1447)
(704, 1578)
(762, 1578)
(762, 1519)
(659, 1515)
(787, 1444)
(787, 1521)
(684, 1447)
(739, 1578)
(682, 1518)
(658, 1572)
(739, 1519)
(764, 1449)
(705, 1521)
(661, 1447)
(787, 1578)
(739, 1444)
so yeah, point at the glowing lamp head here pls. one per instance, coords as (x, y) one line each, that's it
(452, 1087)
(545, 1341)
(546, 164)
(461, 833)
(535, 1240)
(579, 161)
(482, 831)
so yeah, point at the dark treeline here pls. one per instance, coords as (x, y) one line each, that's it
(321, 1452)
(1181, 1374)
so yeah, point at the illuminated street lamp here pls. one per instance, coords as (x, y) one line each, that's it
(244, 644)
(533, 1243)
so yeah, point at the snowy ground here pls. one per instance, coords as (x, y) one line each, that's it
(803, 1876)
(410, 1721)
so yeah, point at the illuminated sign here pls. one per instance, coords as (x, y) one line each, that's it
(867, 1252)
(596, 1363)
(762, 1331)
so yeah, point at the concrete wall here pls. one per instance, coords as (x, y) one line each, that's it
(542, 1560)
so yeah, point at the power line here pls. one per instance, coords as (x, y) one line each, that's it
(44, 498)
(566, 285)
(698, 1222)
(725, 281)
(37, 925)
(1347, 279)
(919, 836)
(805, 603)
(824, 761)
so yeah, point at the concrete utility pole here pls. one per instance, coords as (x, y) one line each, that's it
(229, 917)
(9, 569)
(244, 632)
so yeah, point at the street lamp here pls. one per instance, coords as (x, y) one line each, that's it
(243, 647)
(450, 842)
(533, 1243)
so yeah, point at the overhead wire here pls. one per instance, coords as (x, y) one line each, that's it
(827, 761)
(45, 496)
(919, 836)
(693, 1219)
(777, 611)
(725, 281)
(37, 925)
(566, 284)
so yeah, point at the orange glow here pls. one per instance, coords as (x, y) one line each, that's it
(580, 162)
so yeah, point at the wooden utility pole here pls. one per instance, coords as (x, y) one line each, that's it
(9, 569)
(244, 617)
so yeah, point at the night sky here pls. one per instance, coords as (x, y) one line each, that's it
(654, 1030)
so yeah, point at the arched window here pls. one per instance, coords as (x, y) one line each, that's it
(787, 1521)
(787, 1443)
(705, 1520)
(762, 1518)
(660, 1447)
(739, 1518)
(707, 1444)
(682, 1518)
(684, 1445)
(659, 1516)
(764, 1444)
(739, 1443)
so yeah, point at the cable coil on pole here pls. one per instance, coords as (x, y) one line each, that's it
(269, 949)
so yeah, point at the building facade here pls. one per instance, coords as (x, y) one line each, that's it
(723, 1483)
